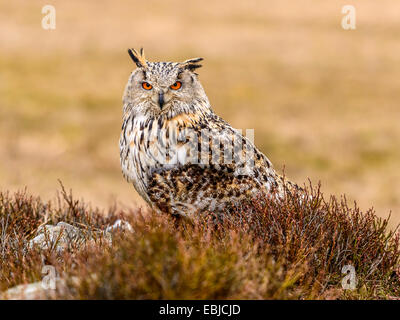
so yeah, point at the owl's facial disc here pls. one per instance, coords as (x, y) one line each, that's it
(164, 89)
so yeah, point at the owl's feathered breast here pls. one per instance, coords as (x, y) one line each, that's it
(192, 162)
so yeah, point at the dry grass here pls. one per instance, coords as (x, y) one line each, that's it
(264, 250)
(323, 101)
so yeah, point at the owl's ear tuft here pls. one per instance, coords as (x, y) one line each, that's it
(138, 57)
(191, 64)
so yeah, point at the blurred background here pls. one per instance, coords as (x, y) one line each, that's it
(324, 102)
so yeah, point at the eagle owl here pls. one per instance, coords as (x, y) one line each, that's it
(180, 156)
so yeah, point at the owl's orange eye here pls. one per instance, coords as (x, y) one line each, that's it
(176, 85)
(147, 86)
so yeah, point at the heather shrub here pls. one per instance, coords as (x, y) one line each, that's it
(291, 249)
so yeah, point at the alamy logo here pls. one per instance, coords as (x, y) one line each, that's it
(349, 20)
(50, 277)
(349, 282)
(204, 147)
(49, 20)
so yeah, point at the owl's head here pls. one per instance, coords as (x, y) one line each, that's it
(163, 88)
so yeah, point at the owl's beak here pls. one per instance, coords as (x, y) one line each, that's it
(161, 99)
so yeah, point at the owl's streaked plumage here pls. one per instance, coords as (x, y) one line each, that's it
(180, 156)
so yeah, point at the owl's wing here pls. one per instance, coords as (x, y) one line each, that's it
(217, 167)
(261, 164)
